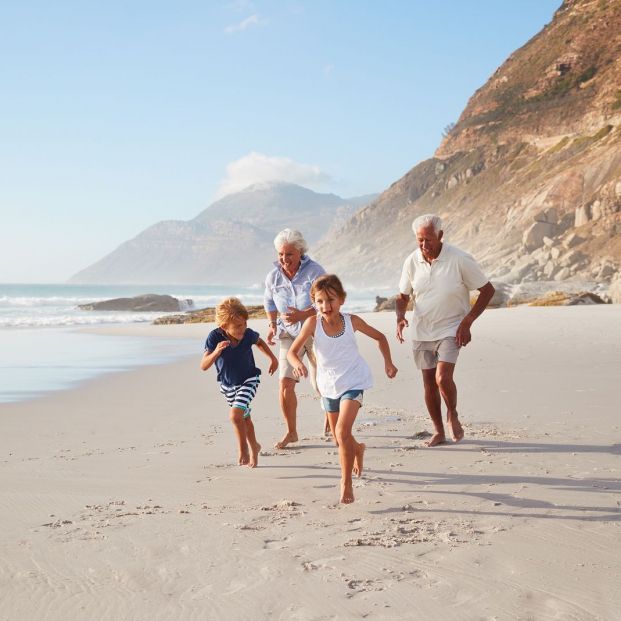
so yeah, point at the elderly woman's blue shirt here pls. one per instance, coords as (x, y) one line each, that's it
(281, 293)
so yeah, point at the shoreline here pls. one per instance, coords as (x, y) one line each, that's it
(122, 497)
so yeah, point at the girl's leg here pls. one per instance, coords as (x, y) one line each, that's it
(332, 418)
(237, 418)
(349, 449)
(253, 445)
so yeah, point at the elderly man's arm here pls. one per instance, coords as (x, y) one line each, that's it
(463, 336)
(401, 304)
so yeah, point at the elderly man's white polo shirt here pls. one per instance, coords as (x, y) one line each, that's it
(441, 291)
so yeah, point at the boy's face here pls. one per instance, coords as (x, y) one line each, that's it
(235, 327)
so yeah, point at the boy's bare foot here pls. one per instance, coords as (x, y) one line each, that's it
(287, 439)
(347, 493)
(254, 455)
(358, 459)
(436, 438)
(457, 431)
(244, 458)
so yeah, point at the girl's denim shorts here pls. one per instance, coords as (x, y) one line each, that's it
(333, 405)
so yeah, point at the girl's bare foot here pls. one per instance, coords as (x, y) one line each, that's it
(358, 459)
(254, 455)
(287, 439)
(244, 458)
(457, 431)
(347, 493)
(436, 438)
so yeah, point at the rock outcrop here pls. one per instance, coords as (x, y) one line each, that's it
(149, 302)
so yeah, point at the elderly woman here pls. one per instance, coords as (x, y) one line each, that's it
(287, 304)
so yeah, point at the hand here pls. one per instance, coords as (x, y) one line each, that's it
(401, 323)
(220, 346)
(300, 371)
(391, 370)
(293, 315)
(273, 365)
(271, 333)
(463, 336)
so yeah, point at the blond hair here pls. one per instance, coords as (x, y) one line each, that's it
(328, 282)
(229, 309)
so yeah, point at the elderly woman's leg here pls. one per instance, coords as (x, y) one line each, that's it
(288, 407)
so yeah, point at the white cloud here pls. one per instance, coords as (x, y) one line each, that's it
(260, 168)
(252, 20)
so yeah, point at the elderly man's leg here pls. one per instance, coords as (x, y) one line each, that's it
(448, 389)
(288, 406)
(433, 401)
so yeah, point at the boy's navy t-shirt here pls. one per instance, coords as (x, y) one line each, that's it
(236, 362)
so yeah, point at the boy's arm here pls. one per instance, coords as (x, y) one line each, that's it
(362, 326)
(209, 357)
(262, 345)
(308, 328)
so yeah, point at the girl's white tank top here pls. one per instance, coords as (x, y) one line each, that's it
(340, 367)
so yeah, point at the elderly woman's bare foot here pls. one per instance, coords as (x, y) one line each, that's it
(457, 431)
(287, 439)
(436, 438)
(254, 455)
(347, 493)
(358, 459)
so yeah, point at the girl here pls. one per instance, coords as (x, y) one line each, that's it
(342, 374)
(230, 347)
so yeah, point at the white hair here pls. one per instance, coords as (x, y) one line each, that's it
(293, 237)
(425, 221)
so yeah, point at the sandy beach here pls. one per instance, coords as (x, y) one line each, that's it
(121, 499)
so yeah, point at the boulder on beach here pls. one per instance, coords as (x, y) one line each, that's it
(149, 302)
(205, 315)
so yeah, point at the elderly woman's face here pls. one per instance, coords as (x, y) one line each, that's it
(289, 258)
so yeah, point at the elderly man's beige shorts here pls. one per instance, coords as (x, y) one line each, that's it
(286, 370)
(427, 354)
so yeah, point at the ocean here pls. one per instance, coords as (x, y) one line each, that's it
(43, 346)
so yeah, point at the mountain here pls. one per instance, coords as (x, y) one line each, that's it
(230, 241)
(528, 179)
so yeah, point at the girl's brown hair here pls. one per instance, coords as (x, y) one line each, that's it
(228, 309)
(328, 282)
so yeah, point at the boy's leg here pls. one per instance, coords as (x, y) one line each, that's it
(349, 449)
(237, 418)
(253, 445)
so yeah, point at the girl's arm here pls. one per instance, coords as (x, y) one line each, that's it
(308, 328)
(262, 345)
(209, 357)
(362, 326)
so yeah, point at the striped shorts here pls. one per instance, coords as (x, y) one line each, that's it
(240, 396)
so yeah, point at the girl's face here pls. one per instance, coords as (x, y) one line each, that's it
(328, 303)
(235, 327)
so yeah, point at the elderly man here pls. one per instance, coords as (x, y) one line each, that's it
(287, 305)
(440, 277)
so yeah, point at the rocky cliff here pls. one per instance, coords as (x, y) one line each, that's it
(528, 179)
(230, 241)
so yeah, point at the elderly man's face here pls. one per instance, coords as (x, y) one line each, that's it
(429, 242)
(289, 258)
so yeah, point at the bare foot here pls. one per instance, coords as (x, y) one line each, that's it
(457, 431)
(287, 439)
(244, 458)
(358, 459)
(254, 455)
(347, 493)
(436, 438)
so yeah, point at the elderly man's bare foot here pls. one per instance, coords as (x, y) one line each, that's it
(359, 459)
(244, 458)
(436, 438)
(457, 431)
(254, 455)
(287, 439)
(347, 493)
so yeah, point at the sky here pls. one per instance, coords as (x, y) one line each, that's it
(116, 115)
